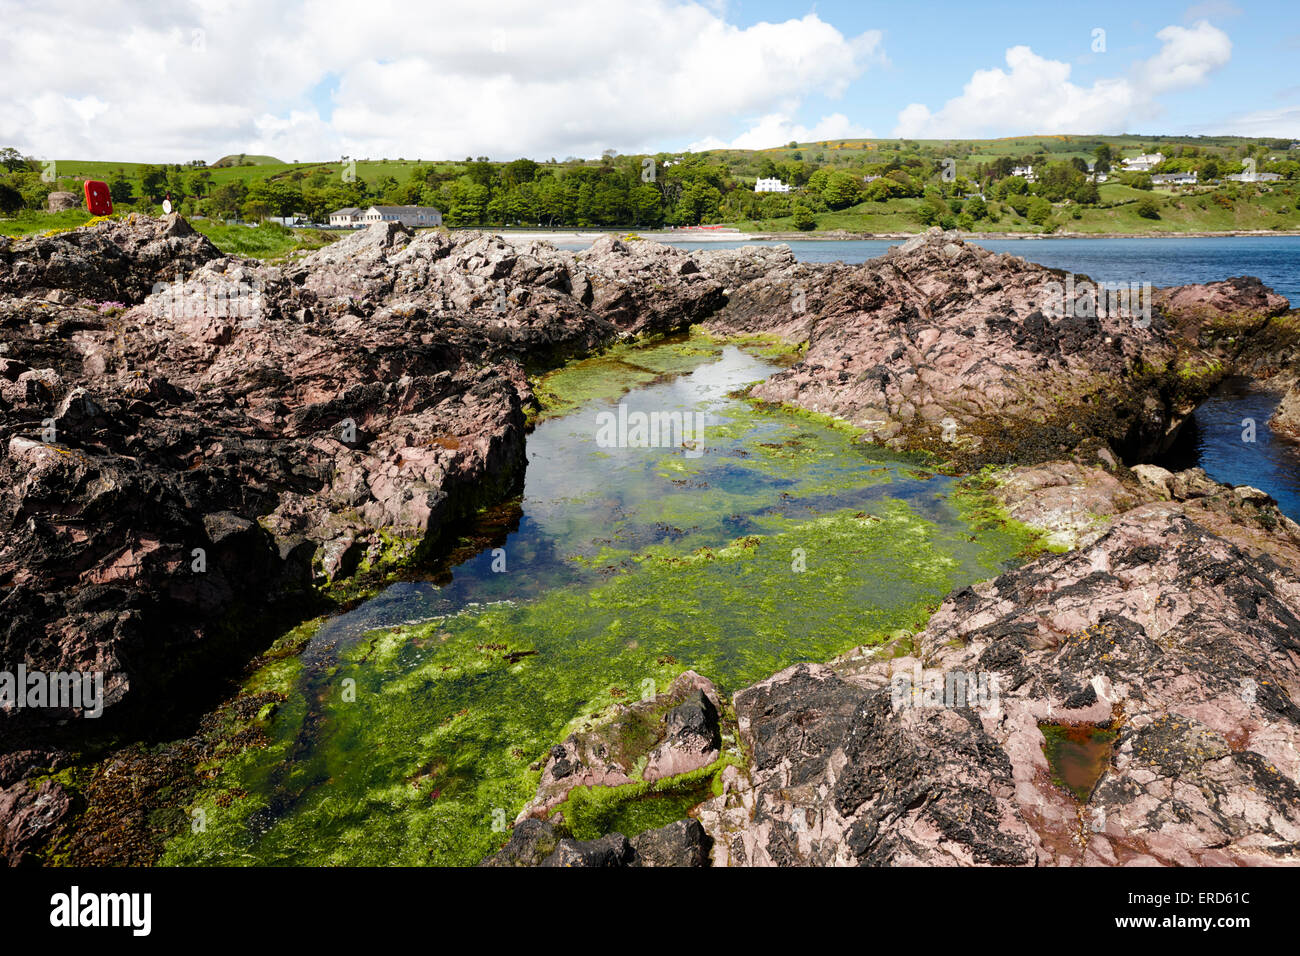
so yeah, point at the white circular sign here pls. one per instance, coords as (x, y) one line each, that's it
(167, 206)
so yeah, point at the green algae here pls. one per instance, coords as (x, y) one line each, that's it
(789, 541)
(765, 345)
(619, 369)
(439, 739)
(591, 812)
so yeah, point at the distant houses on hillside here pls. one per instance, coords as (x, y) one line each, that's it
(1174, 179)
(415, 216)
(1251, 177)
(1025, 172)
(770, 186)
(1144, 163)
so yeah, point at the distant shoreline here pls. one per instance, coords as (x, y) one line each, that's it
(712, 236)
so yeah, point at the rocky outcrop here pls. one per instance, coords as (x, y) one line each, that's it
(1167, 643)
(979, 356)
(536, 843)
(60, 201)
(192, 442)
(110, 261)
(1220, 315)
(664, 736)
(1286, 420)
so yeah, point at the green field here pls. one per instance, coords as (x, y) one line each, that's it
(925, 182)
(267, 240)
(1179, 213)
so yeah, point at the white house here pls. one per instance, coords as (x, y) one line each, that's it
(1254, 177)
(1027, 172)
(406, 215)
(770, 186)
(349, 216)
(1174, 179)
(1144, 163)
(414, 216)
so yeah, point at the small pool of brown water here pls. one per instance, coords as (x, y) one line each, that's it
(1078, 755)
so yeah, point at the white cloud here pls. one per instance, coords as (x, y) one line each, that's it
(777, 129)
(430, 80)
(1187, 57)
(1036, 95)
(1282, 123)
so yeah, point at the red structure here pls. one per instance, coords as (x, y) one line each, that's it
(98, 200)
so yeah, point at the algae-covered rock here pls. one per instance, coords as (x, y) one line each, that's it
(672, 733)
(1170, 635)
(983, 357)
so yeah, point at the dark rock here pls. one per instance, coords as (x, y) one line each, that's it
(611, 850)
(535, 842)
(531, 841)
(28, 816)
(694, 723)
(683, 843)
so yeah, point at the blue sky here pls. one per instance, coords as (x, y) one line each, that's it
(934, 48)
(316, 79)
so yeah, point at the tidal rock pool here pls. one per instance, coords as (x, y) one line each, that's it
(412, 728)
(1229, 436)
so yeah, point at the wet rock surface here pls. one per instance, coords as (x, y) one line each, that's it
(946, 346)
(536, 843)
(192, 442)
(183, 468)
(1175, 624)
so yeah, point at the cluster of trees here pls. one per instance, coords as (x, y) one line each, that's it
(616, 192)
(654, 192)
(21, 185)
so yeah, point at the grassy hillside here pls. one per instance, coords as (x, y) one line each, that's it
(268, 240)
(1178, 214)
(244, 159)
(857, 186)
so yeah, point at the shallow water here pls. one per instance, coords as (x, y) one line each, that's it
(1215, 440)
(410, 729)
(1230, 438)
(1077, 755)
